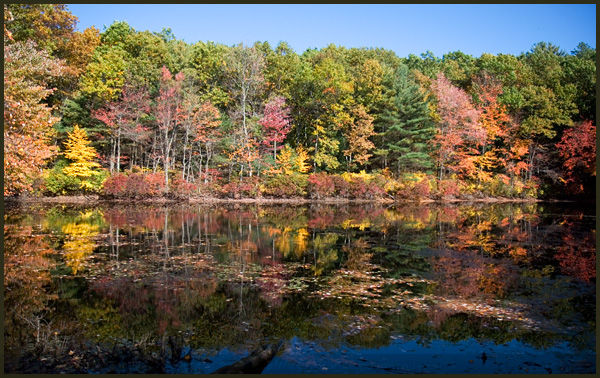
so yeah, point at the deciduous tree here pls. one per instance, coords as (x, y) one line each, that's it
(82, 156)
(167, 103)
(357, 131)
(459, 134)
(276, 123)
(122, 117)
(27, 119)
(578, 149)
(245, 79)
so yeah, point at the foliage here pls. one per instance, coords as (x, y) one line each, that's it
(181, 188)
(276, 123)
(115, 185)
(320, 185)
(205, 111)
(27, 119)
(417, 186)
(104, 76)
(135, 185)
(285, 186)
(58, 183)
(249, 187)
(362, 186)
(140, 185)
(292, 161)
(342, 188)
(448, 188)
(578, 149)
(81, 155)
(459, 134)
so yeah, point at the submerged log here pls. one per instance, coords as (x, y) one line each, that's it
(254, 363)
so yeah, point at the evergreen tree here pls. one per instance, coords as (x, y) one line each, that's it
(407, 126)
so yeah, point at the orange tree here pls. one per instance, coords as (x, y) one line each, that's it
(27, 119)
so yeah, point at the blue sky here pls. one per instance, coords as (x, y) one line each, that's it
(402, 28)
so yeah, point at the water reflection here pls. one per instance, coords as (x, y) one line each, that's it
(208, 278)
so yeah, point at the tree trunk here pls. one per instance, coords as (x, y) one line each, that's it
(112, 155)
(119, 150)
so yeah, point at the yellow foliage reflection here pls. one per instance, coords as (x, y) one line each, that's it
(79, 243)
(293, 241)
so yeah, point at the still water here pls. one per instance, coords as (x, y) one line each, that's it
(479, 288)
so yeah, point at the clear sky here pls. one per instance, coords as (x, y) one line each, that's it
(402, 28)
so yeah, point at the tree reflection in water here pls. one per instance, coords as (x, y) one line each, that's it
(200, 279)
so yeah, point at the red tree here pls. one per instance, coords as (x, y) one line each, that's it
(459, 134)
(276, 121)
(122, 117)
(578, 148)
(167, 103)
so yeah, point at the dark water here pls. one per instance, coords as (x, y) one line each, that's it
(501, 288)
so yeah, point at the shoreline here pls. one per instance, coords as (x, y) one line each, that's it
(94, 199)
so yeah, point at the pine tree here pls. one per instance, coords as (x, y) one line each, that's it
(407, 126)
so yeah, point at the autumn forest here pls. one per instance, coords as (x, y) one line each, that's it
(123, 113)
(176, 207)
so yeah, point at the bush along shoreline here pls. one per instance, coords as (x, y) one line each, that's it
(294, 187)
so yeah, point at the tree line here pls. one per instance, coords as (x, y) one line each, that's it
(83, 107)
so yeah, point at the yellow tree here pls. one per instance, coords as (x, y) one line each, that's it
(302, 165)
(292, 161)
(285, 160)
(82, 155)
(357, 129)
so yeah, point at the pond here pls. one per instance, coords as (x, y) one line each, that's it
(423, 288)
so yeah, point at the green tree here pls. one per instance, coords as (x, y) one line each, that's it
(105, 74)
(332, 94)
(280, 69)
(245, 81)
(407, 127)
(458, 67)
(580, 70)
(208, 61)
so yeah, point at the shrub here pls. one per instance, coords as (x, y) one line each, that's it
(155, 183)
(422, 189)
(375, 190)
(136, 186)
(182, 189)
(414, 186)
(97, 180)
(115, 186)
(59, 183)
(248, 188)
(285, 186)
(357, 188)
(208, 190)
(448, 188)
(341, 186)
(377, 186)
(320, 185)
(38, 183)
